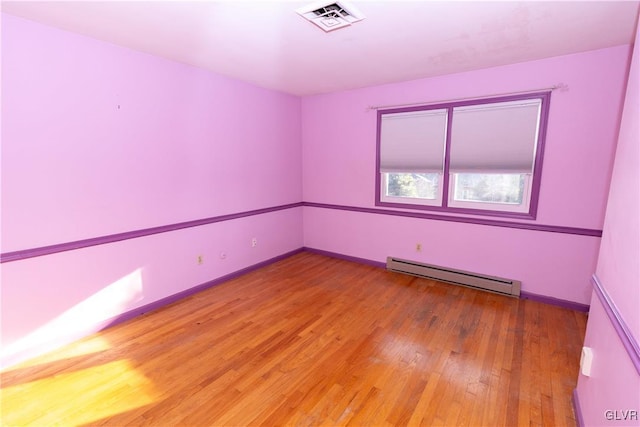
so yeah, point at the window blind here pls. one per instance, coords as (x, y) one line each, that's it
(413, 142)
(498, 137)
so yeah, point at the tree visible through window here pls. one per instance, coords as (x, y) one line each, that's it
(414, 185)
(489, 188)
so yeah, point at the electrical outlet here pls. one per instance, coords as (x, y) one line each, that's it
(200, 260)
(418, 247)
(254, 242)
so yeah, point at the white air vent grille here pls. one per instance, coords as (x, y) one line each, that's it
(474, 280)
(333, 10)
(331, 16)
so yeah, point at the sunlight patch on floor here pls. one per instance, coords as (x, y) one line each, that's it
(80, 397)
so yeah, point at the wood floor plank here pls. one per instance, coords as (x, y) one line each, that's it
(312, 340)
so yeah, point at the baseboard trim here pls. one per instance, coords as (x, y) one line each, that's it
(523, 295)
(577, 411)
(345, 257)
(195, 289)
(571, 305)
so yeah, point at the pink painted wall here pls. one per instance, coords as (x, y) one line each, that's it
(103, 139)
(619, 260)
(339, 140)
(615, 383)
(98, 139)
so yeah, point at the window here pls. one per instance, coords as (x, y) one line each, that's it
(475, 157)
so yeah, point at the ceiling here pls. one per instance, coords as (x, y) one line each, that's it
(267, 43)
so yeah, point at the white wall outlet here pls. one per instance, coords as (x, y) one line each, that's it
(586, 360)
(418, 247)
(200, 260)
(254, 242)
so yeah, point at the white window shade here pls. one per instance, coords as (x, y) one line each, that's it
(413, 142)
(497, 137)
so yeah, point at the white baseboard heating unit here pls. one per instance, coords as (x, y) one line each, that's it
(459, 277)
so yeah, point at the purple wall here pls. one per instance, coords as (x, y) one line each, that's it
(614, 383)
(98, 139)
(104, 139)
(338, 134)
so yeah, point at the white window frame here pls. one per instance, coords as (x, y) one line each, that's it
(490, 206)
(437, 201)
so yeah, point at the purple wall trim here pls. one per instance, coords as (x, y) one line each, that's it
(523, 295)
(346, 257)
(79, 244)
(454, 210)
(480, 221)
(447, 161)
(628, 341)
(537, 165)
(378, 186)
(584, 308)
(576, 409)
(194, 290)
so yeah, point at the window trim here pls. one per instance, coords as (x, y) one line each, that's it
(536, 175)
(452, 203)
(413, 201)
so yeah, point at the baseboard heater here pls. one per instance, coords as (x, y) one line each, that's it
(459, 277)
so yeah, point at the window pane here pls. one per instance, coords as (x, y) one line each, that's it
(413, 185)
(489, 188)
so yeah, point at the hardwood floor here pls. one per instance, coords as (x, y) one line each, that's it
(314, 341)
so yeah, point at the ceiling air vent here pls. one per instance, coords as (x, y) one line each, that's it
(331, 15)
